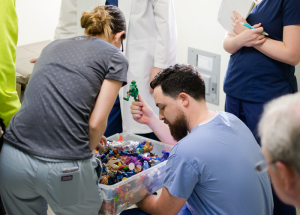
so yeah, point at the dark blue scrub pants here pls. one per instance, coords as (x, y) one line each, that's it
(250, 113)
(114, 122)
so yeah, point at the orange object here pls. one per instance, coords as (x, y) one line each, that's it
(141, 178)
(96, 151)
(121, 138)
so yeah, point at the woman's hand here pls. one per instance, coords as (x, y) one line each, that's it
(100, 145)
(251, 37)
(237, 26)
(33, 60)
(248, 38)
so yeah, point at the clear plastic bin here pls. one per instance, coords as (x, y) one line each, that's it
(124, 194)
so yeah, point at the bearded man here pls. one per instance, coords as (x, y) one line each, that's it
(211, 169)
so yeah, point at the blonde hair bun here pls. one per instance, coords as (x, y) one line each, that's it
(97, 22)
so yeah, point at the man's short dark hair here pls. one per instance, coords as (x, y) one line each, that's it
(180, 78)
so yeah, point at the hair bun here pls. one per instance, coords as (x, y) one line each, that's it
(104, 21)
(96, 22)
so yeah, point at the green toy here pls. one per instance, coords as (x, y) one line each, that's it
(133, 91)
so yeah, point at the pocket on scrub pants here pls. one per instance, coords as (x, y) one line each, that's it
(66, 188)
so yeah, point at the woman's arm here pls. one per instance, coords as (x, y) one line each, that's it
(287, 51)
(248, 38)
(105, 101)
(245, 36)
(230, 44)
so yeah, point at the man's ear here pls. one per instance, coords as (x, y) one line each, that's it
(118, 35)
(288, 175)
(184, 99)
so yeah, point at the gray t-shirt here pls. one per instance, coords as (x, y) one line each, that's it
(53, 121)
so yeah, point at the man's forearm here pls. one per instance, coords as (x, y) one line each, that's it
(162, 131)
(165, 204)
(149, 205)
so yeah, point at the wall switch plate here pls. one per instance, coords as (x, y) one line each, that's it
(208, 65)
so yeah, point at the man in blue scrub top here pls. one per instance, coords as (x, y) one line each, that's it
(210, 169)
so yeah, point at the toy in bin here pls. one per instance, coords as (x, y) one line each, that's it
(127, 194)
(122, 160)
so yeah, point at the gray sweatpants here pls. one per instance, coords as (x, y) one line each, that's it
(27, 184)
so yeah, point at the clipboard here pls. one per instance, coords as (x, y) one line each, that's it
(243, 7)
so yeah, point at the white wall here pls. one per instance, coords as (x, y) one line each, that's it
(198, 28)
(37, 20)
(196, 21)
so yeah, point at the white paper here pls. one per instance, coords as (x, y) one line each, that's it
(243, 7)
(204, 62)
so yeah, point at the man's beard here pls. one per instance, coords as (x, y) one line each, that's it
(178, 128)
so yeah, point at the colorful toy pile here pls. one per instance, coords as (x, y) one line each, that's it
(123, 159)
(121, 185)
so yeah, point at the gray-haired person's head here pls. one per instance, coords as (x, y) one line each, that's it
(279, 129)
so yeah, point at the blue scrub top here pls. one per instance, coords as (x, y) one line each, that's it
(213, 168)
(253, 76)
